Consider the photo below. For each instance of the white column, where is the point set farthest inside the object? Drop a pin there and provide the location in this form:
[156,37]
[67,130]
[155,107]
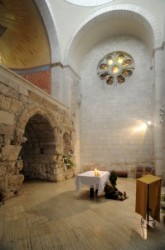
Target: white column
[72,98]
[57,82]
[158,104]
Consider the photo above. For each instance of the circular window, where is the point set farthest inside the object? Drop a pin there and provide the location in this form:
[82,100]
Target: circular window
[115,67]
[89,3]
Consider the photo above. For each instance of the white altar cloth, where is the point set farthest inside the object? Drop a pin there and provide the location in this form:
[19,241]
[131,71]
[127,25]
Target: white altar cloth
[88,178]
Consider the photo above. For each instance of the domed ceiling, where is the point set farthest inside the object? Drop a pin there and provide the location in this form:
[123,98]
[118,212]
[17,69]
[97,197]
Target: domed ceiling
[89,3]
[23,38]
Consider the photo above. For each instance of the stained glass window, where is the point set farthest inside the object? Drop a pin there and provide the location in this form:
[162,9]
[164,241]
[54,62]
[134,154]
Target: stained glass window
[115,67]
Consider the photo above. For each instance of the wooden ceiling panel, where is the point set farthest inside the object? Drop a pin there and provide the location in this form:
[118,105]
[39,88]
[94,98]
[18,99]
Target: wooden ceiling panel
[23,38]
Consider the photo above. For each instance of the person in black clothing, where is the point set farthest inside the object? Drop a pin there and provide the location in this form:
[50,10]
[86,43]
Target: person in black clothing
[111,192]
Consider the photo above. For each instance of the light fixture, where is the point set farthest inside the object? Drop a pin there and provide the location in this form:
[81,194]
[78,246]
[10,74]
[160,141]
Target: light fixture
[149,123]
[162,114]
[115,67]
[162,111]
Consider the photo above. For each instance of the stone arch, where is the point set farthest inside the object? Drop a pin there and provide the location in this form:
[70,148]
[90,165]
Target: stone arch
[36,134]
[27,114]
[39,149]
[143,19]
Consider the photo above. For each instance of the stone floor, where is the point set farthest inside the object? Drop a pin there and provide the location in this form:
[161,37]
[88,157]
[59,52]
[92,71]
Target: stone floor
[50,216]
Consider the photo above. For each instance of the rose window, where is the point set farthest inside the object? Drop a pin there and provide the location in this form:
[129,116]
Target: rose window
[115,67]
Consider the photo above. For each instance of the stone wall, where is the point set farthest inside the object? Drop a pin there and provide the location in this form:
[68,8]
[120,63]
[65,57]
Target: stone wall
[32,126]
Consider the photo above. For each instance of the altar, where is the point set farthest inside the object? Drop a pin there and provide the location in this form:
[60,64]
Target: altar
[96,183]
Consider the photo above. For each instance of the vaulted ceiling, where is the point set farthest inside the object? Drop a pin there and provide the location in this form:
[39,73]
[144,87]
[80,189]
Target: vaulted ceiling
[23,38]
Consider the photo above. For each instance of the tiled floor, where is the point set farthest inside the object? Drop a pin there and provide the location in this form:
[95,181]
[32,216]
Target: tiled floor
[50,216]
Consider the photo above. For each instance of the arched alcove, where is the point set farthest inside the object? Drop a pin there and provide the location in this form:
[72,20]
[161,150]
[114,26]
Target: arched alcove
[108,22]
[38,151]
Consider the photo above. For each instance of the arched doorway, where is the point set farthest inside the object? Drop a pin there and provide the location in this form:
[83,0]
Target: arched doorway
[38,151]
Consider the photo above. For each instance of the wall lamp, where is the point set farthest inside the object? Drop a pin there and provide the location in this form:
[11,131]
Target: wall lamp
[149,123]
[162,114]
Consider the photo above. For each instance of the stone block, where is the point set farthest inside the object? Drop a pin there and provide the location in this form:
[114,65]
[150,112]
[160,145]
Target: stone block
[23,91]
[10,152]
[14,182]
[6,117]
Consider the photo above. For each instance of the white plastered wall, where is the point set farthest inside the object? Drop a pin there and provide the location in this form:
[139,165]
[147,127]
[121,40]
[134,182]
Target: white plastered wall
[113,118]
[74,23]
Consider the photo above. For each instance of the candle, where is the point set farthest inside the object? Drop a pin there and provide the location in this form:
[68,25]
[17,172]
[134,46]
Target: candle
[96,172]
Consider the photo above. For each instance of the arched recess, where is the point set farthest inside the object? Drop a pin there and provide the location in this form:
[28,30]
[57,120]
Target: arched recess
[119,19]
[38,151]
[36,133]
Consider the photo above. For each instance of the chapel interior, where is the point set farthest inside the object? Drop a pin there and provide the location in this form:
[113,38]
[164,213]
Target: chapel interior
[81,87]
